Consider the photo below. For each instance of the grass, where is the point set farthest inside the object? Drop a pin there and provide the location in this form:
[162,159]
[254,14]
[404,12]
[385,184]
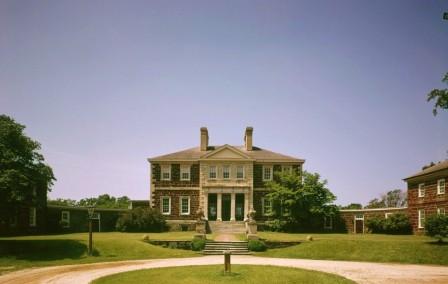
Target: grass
[367,247]
[215,274]
[29,251]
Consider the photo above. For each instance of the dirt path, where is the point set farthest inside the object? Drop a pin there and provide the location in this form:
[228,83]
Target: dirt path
[361,272]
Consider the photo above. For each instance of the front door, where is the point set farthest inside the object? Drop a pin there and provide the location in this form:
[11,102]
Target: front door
[359,223]
[225,207]
[239,207]
[212,207]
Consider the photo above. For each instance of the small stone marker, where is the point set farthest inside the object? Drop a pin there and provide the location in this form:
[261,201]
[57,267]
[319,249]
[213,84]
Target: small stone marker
[227,261]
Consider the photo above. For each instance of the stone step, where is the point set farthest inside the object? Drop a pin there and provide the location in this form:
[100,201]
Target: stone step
[221,253]
[217,248]
[227,226]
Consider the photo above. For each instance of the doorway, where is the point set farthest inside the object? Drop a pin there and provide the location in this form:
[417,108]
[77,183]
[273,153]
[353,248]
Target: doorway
[212,206]
[225,207]
[359,224]
[239,206]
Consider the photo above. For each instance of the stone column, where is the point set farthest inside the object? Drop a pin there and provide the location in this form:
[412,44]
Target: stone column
[246,205]
[205,196]
[218,206]
[232,207]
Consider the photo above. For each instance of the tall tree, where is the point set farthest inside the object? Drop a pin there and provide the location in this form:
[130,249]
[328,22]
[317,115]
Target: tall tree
[352,206]
[393,198]
[440,96]
[23,170]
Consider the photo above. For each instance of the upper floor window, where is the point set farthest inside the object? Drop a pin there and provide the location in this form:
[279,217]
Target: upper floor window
[212,172]
[65,219]
[32,220]
[185,205]
[226,172]
[441,186]
[239,172]
[185,172]
[166,172]
[267,172]
[166,205]
[440,211]
[421,190]
[287,169]
[267,206]
[421,219]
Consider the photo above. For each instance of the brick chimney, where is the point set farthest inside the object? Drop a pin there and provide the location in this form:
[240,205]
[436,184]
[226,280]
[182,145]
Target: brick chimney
[248,138]
[204,138]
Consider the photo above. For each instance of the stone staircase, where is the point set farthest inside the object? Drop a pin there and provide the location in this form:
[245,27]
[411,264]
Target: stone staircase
[227,227]
[235,247]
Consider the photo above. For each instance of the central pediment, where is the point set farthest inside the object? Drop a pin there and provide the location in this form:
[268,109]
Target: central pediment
[226,152]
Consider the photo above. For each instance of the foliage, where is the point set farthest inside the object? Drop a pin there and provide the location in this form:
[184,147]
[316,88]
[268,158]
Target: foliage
[198,244]
[440,96]
[352,206]
[256,245]
[275,225]
[102,201]
[62,202]
[395,224]
[23,172]
[141,220]
[304,197]
[394,198]
[437,227]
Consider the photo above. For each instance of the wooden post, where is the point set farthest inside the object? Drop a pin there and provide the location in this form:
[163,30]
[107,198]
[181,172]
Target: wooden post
[90,236]
[227,268]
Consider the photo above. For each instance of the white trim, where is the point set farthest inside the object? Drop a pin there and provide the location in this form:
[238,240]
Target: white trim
[244,175]
[216,172]
[185,169]
[358,217]
[373,209]
[263,209]
[271,171]
[441,211]
[387,214]
[163,169]
[180,205]
[421,190]
[175,188]
[421,218]
[169,205]
[229,171]
[440,189]
[66,220]
[32,217]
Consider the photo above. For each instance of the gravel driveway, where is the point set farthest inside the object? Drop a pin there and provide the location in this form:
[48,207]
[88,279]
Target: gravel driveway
[361,272]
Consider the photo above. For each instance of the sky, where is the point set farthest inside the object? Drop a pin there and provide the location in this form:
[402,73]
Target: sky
[103,85]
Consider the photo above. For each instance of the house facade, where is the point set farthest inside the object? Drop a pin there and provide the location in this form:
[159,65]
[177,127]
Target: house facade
[427,194]
[224,182]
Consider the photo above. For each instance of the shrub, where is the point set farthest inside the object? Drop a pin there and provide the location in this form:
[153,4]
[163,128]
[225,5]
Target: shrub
[396,224]
[256,245]
[375,225]
[141,220]
[437,226]
[197,244]
[275,225]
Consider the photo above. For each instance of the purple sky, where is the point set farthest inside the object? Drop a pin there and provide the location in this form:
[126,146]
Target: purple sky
[105,84]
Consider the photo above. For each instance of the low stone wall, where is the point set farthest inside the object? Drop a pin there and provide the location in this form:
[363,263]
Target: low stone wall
[174,244]
[181,225]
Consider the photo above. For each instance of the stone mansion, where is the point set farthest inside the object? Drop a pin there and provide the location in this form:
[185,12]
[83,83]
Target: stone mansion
[224,181]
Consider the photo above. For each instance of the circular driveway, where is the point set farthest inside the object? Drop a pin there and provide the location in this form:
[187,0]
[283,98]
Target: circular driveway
[360,272]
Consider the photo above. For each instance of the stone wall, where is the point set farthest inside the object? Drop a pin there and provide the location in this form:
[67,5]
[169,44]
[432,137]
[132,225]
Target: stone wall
[175,195]
[175,176]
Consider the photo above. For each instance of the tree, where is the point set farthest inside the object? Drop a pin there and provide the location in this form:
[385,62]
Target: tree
[393,198]
[23,172]
[437,227]
[301,197]
[440,96]
[352,206]
[105,201]
[376,203]
[62,202]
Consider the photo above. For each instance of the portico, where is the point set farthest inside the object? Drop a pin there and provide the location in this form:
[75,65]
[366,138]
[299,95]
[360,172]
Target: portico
[226,204]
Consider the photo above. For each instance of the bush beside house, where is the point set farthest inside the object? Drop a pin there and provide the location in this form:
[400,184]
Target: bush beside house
[141,219]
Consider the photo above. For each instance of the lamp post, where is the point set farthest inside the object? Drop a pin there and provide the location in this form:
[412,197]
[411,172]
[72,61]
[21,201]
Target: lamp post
[90,211]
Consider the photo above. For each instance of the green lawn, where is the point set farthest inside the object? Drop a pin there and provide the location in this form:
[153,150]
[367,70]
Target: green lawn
[367,247]
[22,252]
[215,274]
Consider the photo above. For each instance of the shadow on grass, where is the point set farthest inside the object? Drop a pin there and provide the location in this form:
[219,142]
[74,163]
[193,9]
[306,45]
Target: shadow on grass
[437,243]
[41,250]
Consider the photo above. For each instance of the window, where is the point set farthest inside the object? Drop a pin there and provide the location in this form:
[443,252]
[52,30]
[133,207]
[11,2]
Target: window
[286,169]
[32,220]
[185,205]
[387,215]
[239,172]
[166,205]
[421,219]
[359,216]
[441,186]
[185,172]
[212,172]
[65,219]
[284,209]
[421,190]
[267,172]
[225,172]
[440,211]
[166,172]
[328,222]
[267,206]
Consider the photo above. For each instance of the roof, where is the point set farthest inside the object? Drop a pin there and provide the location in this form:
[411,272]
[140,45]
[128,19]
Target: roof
[437,167]
[194,154]
[374,209]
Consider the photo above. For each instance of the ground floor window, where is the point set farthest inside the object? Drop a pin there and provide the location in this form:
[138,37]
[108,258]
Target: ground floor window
[32,220]
[267,206]
[166,205]
[421,219]
[65,219]
[185,205]
[328,222]
[440,211]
